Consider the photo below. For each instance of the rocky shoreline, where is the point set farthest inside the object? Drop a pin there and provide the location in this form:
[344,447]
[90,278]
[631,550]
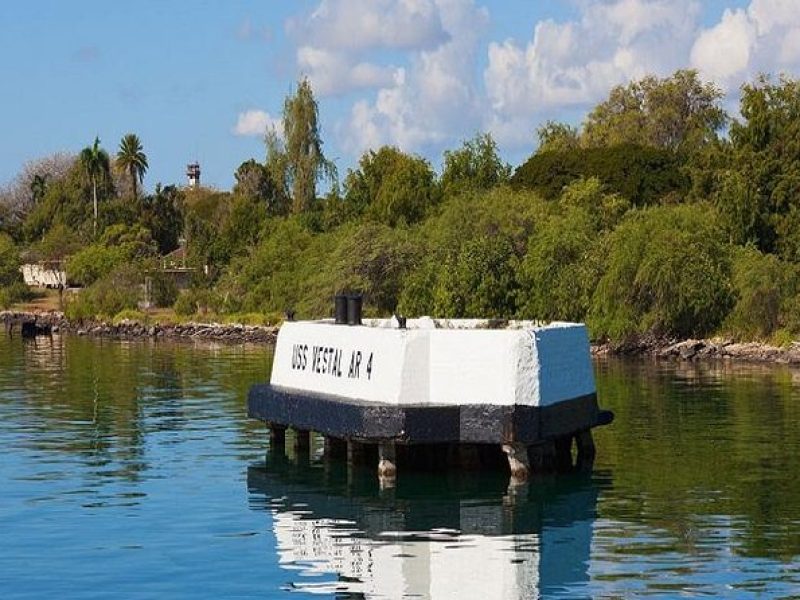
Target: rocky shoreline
[702,350]
[55,322]
[653,347]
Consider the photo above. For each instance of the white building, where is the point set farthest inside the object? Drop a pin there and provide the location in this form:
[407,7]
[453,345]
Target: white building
[46,274]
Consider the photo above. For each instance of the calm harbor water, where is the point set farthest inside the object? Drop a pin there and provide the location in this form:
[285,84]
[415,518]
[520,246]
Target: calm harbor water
[130,469]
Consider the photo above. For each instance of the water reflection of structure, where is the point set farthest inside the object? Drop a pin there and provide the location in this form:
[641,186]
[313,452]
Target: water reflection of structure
[430,537]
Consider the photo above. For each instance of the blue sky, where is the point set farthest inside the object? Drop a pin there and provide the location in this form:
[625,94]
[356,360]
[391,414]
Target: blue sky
[200,80]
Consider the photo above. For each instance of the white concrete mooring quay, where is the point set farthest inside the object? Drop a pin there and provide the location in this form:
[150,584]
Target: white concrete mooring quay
[427,394]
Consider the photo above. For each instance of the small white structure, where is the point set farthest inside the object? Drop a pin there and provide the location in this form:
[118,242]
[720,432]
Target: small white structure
[46,274]
[436,362]
[193,174]
[525,386]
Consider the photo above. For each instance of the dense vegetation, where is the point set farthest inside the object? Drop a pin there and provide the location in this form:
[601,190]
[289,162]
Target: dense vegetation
[661,214]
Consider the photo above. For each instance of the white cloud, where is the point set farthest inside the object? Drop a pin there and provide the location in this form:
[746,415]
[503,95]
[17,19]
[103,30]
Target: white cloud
[763,37]
[334,73]
[255,122]
[769,15]
[575,63]
[435,98]
[722,53]
[357,25]
[422,75]
[347,45]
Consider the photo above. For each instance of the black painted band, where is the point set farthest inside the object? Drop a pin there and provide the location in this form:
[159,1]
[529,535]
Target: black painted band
[479,423]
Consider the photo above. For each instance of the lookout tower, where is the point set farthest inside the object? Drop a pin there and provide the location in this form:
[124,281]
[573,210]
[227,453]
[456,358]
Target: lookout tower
[193,174]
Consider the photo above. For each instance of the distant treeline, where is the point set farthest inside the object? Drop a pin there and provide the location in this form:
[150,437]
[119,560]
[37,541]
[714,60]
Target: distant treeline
[661,214]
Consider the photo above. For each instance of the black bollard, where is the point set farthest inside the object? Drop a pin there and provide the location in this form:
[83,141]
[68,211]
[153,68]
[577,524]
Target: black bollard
[340,305]
[354,303]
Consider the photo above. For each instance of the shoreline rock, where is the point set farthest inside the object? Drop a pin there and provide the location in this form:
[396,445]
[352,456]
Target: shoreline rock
[235,333]
[693,350]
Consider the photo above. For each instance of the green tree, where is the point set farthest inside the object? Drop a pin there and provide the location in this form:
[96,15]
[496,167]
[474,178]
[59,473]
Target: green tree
[641,174]
[477,281]
[57,243]
[64,202]
[390,186]
[132,159]
[679,112]
[118,246]
[557,137]
[758,188]
[253,180]
[38,187]
[761,285]
[474,166]
[667,272]
[559,273]
[297,161]
[96,165]
[406,192]
[590,195]
[9,261]
[162,214]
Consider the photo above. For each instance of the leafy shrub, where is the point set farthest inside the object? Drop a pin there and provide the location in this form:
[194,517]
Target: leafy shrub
[478,281]
[14,293]
[560,271]
[9,261]
[118,290]
[185,304]
[163,289]
[668,271]
[759,282]
[590,195]
[93,262]
[119,245]
[198,301]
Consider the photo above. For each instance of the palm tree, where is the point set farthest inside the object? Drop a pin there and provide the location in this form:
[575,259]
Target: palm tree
[96,163]
[130,158]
